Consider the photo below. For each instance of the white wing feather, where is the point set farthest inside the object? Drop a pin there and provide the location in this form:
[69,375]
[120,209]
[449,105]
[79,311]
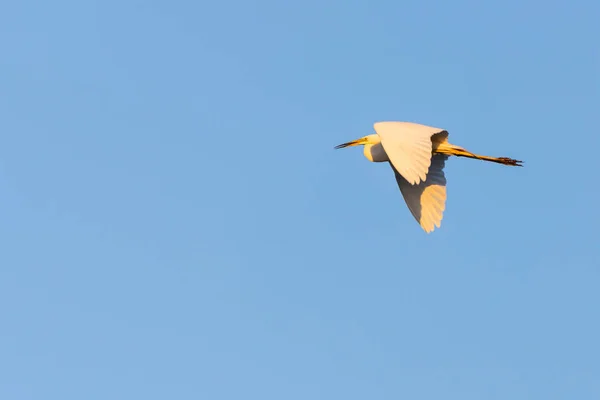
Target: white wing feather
[408,146]
[426,200]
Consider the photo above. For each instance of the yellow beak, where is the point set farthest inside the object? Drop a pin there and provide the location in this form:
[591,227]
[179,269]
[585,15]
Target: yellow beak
[352,143]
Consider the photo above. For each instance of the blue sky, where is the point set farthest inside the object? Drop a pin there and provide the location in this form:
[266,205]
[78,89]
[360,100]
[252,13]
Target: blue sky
[176,224]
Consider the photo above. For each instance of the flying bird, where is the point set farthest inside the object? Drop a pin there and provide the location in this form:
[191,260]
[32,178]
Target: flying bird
[417,154]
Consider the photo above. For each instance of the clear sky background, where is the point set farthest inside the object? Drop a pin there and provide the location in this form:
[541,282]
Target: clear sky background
[175,223]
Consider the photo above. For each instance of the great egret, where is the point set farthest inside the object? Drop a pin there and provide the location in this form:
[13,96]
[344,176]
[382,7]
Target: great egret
[417,154]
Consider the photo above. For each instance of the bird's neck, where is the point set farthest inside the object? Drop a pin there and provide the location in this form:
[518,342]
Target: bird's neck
[375,153]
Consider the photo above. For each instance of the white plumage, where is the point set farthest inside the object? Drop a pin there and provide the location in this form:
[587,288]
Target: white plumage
[408,146]
[427,199]
[417,154]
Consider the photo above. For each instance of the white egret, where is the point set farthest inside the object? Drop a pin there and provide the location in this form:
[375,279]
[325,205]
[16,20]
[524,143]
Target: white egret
[417,154]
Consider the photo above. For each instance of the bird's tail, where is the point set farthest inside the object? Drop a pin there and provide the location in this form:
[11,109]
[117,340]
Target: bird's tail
[450,149]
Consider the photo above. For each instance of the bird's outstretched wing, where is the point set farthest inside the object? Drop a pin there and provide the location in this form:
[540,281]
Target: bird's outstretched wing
[426,200]
[409,147]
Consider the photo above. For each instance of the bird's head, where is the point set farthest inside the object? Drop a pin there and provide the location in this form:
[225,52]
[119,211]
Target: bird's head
[365,140]
[372,148]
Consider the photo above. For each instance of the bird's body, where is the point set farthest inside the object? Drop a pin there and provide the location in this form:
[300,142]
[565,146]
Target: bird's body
[417,154]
